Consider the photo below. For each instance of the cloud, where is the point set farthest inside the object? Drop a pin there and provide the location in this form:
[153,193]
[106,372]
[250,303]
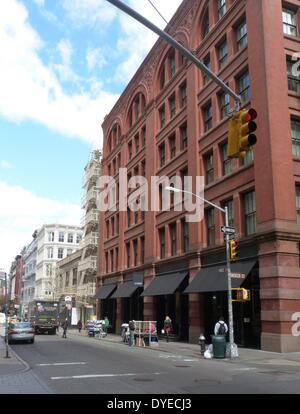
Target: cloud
[22,212]
[32,91]
[40,3]
[5,165]
[89,12]
[133,30]
[95,59]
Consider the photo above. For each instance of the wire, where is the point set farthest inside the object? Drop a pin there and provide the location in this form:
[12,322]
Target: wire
[157,11]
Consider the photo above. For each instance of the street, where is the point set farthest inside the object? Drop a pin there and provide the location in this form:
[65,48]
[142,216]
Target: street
[82,365]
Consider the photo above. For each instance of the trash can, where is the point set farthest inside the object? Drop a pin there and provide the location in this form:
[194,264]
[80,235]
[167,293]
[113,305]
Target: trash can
[219,346]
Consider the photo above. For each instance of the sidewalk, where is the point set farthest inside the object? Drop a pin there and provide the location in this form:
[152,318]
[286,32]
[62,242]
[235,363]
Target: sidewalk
[193,350]
[11,365]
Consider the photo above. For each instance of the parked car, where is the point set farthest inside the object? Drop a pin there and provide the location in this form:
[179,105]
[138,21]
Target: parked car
[20,331]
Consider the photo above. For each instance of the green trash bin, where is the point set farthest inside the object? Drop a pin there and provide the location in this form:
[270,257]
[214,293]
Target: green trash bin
[219,346]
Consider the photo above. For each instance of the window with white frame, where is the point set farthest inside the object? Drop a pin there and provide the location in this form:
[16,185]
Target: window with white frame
[70,237]
[210,226]
[223,54]
[224,105]
[61,237]
[293,80]
[295,131]
[250,213]
[241,35]
[221,4]
[60,253]
[50,253]
[298,204]
[207,117]
[227,167]
[244,87]
[289,22]
[51,236]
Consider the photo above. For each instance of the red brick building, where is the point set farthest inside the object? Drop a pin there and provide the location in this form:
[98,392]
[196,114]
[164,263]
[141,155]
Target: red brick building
[172,120]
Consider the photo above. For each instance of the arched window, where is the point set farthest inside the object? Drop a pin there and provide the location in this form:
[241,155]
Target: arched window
[137,108]
[114,137]
[205,24]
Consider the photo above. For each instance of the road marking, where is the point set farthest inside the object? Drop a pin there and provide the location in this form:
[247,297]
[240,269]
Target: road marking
[102,376]
[61,363]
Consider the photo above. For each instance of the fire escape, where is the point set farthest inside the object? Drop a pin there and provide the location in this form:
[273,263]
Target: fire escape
[87,268]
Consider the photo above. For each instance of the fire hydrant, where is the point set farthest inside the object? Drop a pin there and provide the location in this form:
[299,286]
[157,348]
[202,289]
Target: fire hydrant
[202,344]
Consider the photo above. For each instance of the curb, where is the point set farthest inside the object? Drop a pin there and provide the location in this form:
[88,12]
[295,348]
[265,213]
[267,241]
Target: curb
[26,366]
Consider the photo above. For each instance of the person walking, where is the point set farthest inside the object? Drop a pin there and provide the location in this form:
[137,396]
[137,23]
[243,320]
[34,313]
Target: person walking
[79,325]
[221,327]
[167,326]
[65,327]
[105,324]
[131,332]
[57,326]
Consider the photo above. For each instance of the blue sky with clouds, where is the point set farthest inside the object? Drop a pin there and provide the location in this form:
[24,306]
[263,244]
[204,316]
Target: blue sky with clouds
[64,64]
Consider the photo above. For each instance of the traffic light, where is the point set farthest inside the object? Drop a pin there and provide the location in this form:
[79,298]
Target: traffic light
[246,128]
[233,136]
[240,133]
[233,250]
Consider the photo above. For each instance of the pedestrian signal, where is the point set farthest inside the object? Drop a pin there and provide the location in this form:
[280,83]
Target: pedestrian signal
[240,295]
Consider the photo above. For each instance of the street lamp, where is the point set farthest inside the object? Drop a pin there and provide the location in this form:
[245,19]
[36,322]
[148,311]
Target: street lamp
[232,346]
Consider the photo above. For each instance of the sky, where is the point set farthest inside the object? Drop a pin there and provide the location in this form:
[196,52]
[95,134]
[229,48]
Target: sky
[63,65]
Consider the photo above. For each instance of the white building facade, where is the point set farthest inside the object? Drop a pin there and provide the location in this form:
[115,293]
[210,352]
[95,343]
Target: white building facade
[54,242]
[29,273]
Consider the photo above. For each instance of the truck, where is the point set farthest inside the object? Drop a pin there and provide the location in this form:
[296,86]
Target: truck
[43,314]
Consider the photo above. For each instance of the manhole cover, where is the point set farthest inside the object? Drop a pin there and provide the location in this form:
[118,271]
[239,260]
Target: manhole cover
[182,366]
[143,379]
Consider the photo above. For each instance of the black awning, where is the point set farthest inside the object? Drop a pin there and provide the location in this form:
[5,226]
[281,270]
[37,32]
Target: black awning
[125,290]
[164,285]
[214,278]
[104,291]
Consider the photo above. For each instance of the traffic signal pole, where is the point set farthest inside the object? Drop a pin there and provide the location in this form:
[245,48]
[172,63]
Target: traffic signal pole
[185,52]
[230,310]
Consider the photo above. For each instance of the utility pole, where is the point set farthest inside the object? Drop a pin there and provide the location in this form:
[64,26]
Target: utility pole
[185,52]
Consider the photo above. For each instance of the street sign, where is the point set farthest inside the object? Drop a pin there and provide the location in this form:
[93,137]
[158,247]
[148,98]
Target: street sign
[228,230]
[238,275]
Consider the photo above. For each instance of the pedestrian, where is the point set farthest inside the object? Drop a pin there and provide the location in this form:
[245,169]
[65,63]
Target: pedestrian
[57,326]
[131,332]
[65,327]
[221,327]
[167,326]
[105,324]
[79,325]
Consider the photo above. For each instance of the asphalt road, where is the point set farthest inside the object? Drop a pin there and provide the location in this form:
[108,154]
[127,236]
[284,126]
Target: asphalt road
[82,365]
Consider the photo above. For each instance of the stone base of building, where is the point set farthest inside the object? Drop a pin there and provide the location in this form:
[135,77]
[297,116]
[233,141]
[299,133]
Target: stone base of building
[280,343]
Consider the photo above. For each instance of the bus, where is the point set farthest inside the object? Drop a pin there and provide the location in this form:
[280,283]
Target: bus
[43,314]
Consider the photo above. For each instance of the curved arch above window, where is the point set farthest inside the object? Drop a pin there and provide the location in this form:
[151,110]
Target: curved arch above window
[114,136]
[136,109]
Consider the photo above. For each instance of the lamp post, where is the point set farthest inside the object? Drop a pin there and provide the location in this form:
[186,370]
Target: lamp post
[233,348]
